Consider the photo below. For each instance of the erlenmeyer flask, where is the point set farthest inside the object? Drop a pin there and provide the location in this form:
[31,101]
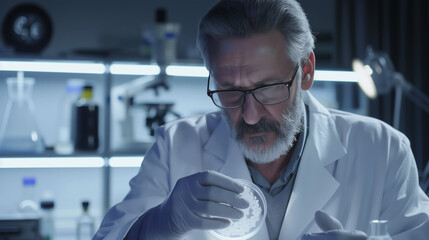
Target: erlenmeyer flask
[19,132]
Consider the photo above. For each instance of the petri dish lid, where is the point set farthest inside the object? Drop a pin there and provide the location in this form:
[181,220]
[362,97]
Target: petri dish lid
[254,215]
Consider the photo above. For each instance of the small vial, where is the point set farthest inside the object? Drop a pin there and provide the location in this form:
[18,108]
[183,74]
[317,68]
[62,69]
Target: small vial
[379,230]
[85,224]
[47,226]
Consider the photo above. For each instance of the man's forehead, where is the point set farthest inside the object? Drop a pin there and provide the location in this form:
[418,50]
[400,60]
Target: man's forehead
[257,49]
[241,46]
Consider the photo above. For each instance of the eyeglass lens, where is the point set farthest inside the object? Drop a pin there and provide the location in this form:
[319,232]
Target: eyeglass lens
[266,95]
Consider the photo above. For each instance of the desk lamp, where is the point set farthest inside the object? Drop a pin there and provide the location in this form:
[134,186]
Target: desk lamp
[378,76]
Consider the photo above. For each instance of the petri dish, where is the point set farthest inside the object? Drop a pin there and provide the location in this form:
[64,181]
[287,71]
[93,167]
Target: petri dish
[254,215]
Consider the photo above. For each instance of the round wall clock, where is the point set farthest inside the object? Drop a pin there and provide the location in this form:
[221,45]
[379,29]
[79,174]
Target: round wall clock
[27,28]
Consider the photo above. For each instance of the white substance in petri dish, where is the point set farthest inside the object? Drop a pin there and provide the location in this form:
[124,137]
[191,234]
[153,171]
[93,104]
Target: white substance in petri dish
[254,215]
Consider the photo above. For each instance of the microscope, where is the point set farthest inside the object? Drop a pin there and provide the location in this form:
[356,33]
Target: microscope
[125,96]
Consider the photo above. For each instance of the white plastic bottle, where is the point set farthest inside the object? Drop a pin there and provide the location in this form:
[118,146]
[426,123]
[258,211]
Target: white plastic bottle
[47,224]
[85,224]
[28,206]
[64,142]
[379,230]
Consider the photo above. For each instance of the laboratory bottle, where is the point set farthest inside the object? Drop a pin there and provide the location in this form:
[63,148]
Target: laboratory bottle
[85,224]
[379,230]
[47,224]
[85,120]
[28,205]
[64,143]
[19,131]
[166,35]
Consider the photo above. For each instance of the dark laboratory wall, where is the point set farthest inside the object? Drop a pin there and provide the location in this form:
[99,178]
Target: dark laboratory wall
[400,28]
[110,25]
[116,26]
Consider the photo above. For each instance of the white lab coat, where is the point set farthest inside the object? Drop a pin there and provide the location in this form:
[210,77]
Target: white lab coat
[355,168]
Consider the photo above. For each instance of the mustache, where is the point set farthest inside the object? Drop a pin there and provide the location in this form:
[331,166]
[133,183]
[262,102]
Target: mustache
[264,125]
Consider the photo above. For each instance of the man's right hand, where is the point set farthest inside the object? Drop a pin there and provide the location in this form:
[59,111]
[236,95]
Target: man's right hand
[204,200]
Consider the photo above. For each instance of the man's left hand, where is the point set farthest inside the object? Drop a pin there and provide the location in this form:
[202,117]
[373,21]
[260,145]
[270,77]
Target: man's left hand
[332,229]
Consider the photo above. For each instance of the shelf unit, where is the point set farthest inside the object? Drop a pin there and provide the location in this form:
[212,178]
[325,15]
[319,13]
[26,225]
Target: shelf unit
[111,68]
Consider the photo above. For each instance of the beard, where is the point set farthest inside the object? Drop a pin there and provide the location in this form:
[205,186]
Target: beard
[287,131]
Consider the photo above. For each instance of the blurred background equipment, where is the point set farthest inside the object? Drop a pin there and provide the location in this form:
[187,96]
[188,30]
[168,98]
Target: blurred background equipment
[19,131]
[125,102]
[24,222]
[16,228]
[377,75]
[161,41]
[156,115]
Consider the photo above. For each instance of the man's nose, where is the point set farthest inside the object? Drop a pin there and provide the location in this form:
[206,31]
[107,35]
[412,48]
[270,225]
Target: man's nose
[252,110]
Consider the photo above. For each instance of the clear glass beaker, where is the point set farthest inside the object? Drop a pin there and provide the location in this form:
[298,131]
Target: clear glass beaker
[19,132]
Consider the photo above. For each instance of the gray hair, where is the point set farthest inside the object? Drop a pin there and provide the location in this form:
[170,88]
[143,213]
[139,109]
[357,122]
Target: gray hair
[243,18]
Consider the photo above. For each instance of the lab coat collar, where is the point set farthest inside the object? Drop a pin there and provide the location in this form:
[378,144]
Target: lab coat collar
[314,184]
[221,145]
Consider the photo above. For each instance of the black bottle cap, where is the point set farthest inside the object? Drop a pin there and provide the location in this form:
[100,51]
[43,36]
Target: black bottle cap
[161,15]
[47,204]
[87,87]
[85,204]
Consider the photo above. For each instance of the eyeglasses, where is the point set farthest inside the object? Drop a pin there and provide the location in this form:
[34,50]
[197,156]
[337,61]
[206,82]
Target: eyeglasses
[268,95]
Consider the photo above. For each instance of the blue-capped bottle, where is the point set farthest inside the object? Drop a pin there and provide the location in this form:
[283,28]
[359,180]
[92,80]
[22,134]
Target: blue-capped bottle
[28,206]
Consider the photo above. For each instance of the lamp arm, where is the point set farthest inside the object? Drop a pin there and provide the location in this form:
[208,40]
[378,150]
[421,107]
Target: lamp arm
[413,93]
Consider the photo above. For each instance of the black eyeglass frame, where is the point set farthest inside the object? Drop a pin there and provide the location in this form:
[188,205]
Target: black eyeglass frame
[252,91]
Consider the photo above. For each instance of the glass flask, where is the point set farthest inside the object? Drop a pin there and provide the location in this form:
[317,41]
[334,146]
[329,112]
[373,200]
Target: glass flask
[19,132]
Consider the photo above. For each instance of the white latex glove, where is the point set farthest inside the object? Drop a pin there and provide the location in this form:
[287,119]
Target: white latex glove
[332,229]
[204,200]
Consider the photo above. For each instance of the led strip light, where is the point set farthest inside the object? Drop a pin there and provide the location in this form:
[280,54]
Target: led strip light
[117,68]
[52,162]
[69,162]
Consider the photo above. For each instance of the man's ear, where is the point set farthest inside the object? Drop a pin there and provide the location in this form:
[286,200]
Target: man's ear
[308,72]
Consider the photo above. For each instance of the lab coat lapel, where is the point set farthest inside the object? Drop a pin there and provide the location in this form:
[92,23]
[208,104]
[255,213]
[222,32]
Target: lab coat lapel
[231,162]
[314,184]
[225,149]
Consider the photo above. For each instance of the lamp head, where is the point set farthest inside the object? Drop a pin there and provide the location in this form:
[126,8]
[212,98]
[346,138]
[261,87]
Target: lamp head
[375,73]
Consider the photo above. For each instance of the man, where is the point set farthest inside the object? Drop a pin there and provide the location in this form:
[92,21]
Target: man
[325,173]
